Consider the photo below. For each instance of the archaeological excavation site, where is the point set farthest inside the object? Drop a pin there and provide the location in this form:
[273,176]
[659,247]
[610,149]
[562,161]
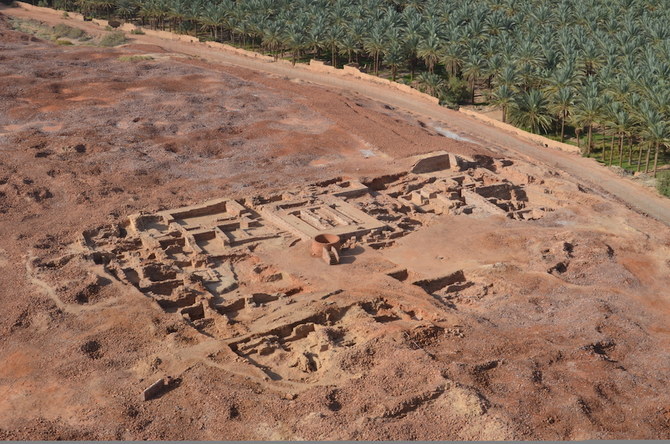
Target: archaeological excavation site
[195,247]
[242,270]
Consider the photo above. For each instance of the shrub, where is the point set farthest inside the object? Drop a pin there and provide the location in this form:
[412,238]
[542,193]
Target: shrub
[113,39]
[456,91]
[114,23]
[66,15]
[137,31]
[135,58]
[67,31]
[61,42]
[663,183]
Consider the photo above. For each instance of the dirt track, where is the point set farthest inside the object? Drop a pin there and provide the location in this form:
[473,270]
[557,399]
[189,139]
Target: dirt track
[587,171]
[540,313]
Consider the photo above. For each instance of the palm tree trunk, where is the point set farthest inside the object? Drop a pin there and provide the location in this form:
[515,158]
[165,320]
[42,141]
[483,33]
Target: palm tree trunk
[655,158]
[504,113]
[562,127]
[588,140]
[646,162]
[611,149]
[621,149]
[472,88]
[578,144]
[639,158]
[630,150]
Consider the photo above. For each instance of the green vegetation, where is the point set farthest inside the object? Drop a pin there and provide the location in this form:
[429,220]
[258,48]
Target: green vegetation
[592,69]
[137,31]
[59,34]
[663,183]
[114,38]
[135,58]
[67,31]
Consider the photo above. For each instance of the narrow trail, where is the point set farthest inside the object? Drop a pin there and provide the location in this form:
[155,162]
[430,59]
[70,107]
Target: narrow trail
[583,170]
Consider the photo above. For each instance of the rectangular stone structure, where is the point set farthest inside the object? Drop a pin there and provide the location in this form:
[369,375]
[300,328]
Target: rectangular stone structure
[154,390]
[325,213]
[208,228]
[431,162]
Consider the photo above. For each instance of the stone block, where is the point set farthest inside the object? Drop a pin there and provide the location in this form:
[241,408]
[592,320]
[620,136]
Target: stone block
[432,162]
[154,390]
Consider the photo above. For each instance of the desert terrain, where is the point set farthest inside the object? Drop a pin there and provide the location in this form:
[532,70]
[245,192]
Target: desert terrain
[156,213]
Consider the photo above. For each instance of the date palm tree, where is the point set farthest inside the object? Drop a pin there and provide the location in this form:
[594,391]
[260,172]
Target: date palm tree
[273,37]
[620,122]
[212,18]
[295,38]
[473,67]
[561,103]
[431,83]
[395,57]
[656,133]
[375,44]
[588,108]
[333,39]
[429,50]
[529,110]
[452,57]
[349,45]
[503,97]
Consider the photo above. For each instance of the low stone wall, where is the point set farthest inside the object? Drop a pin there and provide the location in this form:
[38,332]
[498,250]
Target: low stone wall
[535,138]
[166,35]
[239,51]
[349,71]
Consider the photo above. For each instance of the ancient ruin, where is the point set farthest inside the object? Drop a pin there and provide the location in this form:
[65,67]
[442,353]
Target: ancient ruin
[209,263]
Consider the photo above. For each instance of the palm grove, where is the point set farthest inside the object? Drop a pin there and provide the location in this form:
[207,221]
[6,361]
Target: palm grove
[593,71]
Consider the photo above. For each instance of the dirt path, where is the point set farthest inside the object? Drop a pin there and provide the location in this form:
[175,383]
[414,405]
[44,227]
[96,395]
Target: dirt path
[586,171]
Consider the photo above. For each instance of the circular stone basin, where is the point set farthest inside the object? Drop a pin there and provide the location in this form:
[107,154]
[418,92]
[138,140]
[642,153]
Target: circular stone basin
[322,241]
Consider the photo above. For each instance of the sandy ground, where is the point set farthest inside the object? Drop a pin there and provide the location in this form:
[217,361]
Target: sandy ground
[562,334]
